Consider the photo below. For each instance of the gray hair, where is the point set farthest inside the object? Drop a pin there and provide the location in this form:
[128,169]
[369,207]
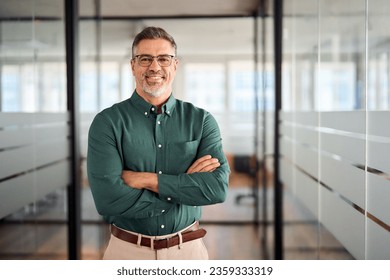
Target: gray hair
[150,33]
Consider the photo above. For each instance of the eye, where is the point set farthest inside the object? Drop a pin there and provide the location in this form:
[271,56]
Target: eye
[164,59]
[145,59]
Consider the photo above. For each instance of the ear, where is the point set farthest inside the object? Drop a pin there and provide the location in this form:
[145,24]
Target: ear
[132,65]
[176,63]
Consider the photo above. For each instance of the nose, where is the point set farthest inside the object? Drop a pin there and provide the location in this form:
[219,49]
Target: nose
[154,64]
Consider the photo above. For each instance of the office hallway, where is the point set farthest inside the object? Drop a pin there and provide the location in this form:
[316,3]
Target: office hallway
[301,86]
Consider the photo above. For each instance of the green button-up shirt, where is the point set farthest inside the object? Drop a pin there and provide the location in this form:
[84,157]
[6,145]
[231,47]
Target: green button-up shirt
[131,135]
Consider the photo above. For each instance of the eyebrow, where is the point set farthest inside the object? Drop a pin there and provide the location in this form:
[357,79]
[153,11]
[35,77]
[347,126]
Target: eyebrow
[156,55]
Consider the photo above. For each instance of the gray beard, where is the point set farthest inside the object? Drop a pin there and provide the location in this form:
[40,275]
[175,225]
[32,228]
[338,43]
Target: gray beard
[155,93]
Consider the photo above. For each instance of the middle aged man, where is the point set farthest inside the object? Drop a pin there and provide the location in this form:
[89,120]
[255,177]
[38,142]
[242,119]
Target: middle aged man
[153,160]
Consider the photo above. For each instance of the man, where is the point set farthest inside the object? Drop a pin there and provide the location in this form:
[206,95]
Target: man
[153,160]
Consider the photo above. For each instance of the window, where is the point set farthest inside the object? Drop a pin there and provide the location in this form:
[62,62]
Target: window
[205,85]
[241,85]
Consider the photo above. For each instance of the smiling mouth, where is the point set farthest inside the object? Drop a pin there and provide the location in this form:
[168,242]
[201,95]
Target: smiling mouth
[154,79]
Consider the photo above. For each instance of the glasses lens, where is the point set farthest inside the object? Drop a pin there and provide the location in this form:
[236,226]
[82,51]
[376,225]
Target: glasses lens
[147,60]
[164,60]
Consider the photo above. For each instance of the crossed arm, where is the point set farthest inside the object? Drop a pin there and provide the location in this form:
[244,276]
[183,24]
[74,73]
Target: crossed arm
[119,192]
[149,180]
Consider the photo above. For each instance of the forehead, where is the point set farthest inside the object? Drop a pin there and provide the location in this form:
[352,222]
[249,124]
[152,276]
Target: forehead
[154,47]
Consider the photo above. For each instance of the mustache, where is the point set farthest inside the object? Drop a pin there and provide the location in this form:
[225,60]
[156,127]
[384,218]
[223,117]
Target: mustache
[152,73]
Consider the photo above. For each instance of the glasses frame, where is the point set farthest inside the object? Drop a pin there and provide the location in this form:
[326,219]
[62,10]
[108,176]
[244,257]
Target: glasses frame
[154,57]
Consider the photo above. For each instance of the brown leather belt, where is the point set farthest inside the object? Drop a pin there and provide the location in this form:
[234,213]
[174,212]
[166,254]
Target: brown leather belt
[190,234]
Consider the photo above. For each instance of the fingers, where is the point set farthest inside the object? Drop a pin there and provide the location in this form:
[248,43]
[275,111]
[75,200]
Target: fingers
[195,167]
[199,161]
[204,164]
[210,168]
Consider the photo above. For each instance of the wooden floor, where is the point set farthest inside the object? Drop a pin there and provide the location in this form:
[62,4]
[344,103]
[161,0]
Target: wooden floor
[40,232]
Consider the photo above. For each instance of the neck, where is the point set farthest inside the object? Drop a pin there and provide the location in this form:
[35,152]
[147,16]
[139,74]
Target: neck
[157,101]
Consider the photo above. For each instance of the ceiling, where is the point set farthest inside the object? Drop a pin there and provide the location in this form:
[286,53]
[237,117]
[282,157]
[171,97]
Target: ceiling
[130,8]
[211,27]
[202,27]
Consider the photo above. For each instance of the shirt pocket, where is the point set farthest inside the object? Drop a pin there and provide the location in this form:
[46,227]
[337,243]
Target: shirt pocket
[181,156]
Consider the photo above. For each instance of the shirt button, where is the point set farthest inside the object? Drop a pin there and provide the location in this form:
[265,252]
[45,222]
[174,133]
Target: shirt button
[162,211]
[168,112]
[194,206]
[160,172]
[162,226]
[169,199]
[153,109]
[146,113]
[159,122]
[159,145]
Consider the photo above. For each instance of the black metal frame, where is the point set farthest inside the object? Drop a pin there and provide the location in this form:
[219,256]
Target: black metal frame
[74,195]
[278,198]
[262,48]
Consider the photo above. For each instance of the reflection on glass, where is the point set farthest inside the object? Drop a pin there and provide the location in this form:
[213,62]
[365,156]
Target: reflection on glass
[342,56]
[337,86]
[378,80]
[378,89]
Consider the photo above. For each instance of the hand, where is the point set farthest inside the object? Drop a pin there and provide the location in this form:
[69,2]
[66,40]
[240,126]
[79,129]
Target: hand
[140,180]
[204,164]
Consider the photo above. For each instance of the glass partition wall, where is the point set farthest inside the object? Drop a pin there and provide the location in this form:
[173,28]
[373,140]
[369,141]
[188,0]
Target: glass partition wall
[34,132]
[334,134]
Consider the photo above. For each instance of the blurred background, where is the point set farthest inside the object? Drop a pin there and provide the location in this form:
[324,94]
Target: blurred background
[300,89]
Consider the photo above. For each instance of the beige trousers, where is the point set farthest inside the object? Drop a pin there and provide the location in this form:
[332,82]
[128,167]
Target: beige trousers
[118,249]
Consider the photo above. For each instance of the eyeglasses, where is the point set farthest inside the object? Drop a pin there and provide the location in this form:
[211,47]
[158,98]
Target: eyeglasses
[145,60]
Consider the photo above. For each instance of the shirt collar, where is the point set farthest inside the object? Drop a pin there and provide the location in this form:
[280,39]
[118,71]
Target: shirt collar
[147,109]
